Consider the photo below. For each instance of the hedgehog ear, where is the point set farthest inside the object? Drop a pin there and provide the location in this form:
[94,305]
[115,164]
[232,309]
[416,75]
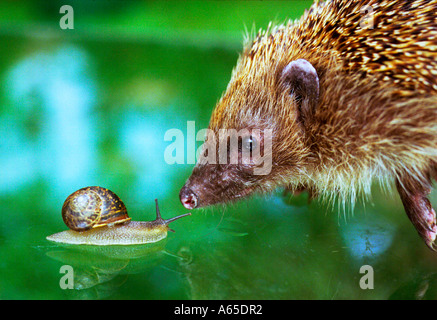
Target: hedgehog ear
[302,79]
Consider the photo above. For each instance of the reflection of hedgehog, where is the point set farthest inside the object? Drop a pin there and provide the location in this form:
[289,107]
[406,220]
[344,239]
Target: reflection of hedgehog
[350,93]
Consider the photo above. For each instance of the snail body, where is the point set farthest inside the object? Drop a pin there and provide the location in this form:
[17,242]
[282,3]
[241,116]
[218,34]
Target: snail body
[97,216]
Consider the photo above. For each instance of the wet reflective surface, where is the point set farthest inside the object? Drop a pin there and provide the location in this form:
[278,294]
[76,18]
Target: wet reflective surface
[91,106]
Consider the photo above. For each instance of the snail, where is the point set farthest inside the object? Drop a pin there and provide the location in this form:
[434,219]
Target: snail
[97,216]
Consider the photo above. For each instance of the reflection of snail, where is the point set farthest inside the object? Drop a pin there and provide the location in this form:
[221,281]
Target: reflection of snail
[97,216]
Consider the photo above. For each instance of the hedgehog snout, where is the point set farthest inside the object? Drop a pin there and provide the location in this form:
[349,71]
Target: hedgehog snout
[188,198]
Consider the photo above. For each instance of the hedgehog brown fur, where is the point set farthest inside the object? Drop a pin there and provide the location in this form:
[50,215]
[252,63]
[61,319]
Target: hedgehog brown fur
[347,104]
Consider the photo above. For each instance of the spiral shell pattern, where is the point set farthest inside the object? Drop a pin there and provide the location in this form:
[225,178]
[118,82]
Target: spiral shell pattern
[93,207]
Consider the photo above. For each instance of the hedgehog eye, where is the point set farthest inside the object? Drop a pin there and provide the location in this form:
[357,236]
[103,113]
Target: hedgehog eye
[249,143]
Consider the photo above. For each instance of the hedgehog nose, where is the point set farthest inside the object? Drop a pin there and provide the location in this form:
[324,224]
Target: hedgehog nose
[188,198]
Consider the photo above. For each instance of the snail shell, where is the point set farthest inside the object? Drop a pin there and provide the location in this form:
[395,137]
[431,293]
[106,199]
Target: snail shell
[93,207]
[99,217]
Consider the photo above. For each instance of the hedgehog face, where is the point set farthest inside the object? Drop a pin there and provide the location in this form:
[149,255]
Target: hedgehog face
[255,141]
[232,165]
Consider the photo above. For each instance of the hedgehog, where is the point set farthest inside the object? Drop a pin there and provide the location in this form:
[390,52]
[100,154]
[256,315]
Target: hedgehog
[345,97]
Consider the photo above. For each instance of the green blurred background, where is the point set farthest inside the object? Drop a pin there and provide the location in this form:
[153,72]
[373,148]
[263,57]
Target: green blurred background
[90,106]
